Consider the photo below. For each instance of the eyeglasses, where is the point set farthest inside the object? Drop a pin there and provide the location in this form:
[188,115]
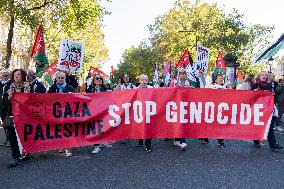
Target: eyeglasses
[60,77]
[126,77]
[182,73]
[98,78]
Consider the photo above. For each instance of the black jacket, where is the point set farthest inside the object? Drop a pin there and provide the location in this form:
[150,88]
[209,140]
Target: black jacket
[72,80]
[7,104]
[95,90]
[37,87]
[4,100]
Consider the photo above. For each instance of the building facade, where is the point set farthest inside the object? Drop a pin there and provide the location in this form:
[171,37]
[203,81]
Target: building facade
[21,46]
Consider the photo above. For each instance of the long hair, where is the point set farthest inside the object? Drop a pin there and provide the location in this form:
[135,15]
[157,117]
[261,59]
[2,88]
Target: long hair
[23,73]
[122,81]
[93,79]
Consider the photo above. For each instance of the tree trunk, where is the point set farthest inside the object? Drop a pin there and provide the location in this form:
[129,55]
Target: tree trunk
[9,42]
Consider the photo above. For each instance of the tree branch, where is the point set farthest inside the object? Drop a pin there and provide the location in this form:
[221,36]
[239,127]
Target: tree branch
[45,3]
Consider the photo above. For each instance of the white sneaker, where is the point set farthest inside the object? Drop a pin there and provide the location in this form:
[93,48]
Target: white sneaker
[68,153]
[96,150]
[176,143]
[183,146]
[279,129]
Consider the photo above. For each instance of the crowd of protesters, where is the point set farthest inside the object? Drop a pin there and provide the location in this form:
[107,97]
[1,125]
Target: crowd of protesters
[25,81]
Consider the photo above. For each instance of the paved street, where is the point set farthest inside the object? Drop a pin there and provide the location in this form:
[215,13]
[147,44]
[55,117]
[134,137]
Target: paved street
[239,165]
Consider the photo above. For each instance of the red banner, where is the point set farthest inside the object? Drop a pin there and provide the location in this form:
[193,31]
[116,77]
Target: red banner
[56,121]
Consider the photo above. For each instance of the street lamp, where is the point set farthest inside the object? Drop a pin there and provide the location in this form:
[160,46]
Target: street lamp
[231,65]
[270,63]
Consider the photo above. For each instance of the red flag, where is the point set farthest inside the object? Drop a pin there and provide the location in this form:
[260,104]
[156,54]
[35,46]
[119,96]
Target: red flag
[167,68]
[97,71]
[112,71]
[51,69]
[39,53]
[39,45]
[220,63]
[240,76]
[184,60]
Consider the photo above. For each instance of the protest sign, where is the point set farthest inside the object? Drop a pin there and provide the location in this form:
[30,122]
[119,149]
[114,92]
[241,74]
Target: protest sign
[70,55]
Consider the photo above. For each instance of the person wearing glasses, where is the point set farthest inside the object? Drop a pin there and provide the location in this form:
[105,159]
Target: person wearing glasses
[97,86]
[143,80]
[181,82]
[60,86]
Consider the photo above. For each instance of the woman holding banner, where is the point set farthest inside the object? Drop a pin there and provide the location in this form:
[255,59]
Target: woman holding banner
[181,82]
[60,86]
[218,83]
[97,86]
[19,84]
[143,80]
[126,84]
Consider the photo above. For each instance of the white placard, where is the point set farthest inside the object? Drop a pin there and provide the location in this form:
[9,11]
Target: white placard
[70,55]
[202,58]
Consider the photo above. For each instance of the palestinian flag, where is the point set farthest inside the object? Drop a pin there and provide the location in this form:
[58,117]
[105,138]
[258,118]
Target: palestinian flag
[272,49]
[185,62]
[156,77]
[50,71]
[239,79]
[112,72]
[220,67]
[39,53]
[167,73]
